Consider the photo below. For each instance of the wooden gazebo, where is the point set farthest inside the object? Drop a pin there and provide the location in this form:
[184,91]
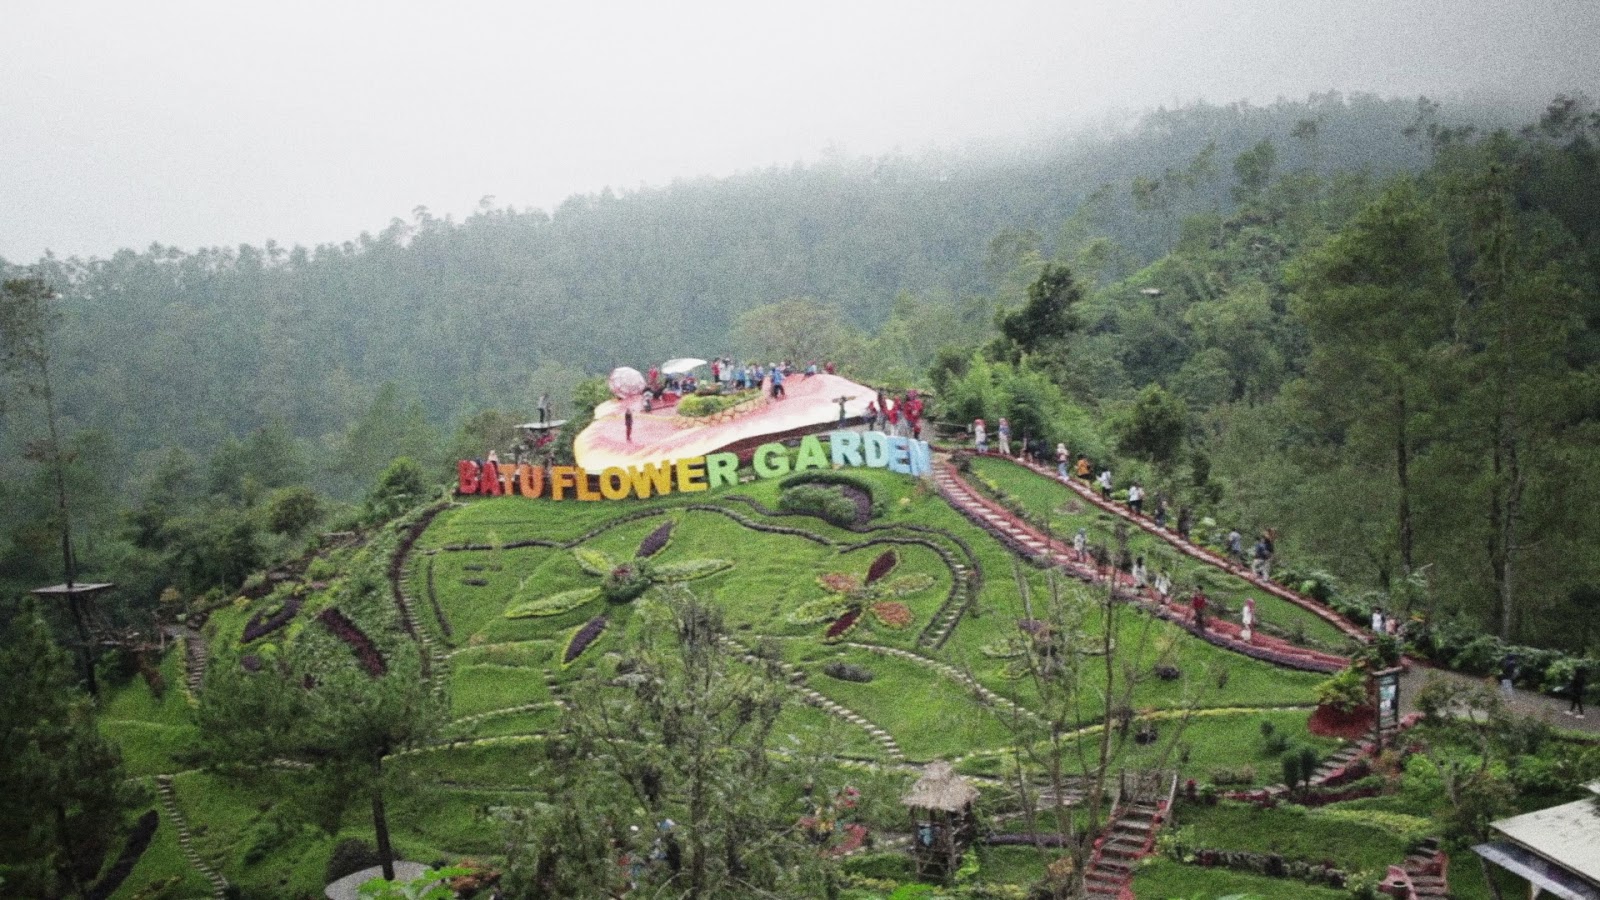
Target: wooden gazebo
[942,820]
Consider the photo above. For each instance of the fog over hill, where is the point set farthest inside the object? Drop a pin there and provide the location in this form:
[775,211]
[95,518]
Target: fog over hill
[194,126]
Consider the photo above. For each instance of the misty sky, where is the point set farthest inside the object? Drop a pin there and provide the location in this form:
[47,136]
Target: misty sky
[223,123]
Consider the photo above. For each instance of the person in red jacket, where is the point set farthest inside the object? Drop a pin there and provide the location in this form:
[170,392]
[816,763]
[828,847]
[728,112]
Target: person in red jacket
[1198,603]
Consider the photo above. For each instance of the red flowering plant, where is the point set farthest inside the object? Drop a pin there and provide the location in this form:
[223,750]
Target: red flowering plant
[621,582]
[851,598]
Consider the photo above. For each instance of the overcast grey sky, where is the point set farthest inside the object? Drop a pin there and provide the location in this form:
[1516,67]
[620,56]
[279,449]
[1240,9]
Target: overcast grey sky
[219,123]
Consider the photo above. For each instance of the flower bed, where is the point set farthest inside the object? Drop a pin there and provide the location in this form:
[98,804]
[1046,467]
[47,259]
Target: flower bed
[655,541]
[582,637]
[843,625]
[345,630]
[138,841]
[262,624]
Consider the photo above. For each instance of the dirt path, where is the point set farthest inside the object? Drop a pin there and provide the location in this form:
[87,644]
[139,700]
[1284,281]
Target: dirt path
[1526,703]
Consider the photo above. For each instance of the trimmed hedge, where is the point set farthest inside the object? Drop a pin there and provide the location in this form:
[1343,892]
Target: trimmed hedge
[811,500]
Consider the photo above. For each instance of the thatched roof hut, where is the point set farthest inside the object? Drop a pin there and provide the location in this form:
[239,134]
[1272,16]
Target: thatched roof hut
[942,819]
[940,788]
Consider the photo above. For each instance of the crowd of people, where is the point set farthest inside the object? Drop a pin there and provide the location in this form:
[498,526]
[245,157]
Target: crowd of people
[732,376]
[1259,559]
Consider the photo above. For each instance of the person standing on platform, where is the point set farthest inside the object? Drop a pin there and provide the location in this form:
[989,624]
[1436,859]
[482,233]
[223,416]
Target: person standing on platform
[777,383]
[544,409]
[627,424]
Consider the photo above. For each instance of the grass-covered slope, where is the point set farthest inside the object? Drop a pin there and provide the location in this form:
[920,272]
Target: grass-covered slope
[931,695]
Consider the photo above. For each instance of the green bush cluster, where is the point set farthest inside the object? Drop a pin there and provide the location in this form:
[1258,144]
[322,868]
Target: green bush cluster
[813,500]
[698,406]
[1346,691]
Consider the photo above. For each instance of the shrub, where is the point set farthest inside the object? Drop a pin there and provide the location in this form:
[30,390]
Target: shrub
[625,583]
[848,672]
[843,480]
[350,856]
[698,406]
[1480,656]
[828,505]
[1346,691]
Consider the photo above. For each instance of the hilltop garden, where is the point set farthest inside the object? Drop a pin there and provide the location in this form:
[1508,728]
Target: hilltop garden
[524,688]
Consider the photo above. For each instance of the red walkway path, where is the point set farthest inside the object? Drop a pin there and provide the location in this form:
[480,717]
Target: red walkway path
[1030,542]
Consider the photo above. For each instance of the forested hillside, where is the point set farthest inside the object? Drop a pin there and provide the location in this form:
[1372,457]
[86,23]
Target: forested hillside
[1244,307]
[185,348]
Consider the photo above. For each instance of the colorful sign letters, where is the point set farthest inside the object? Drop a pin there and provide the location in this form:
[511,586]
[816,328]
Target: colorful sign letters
[871,449]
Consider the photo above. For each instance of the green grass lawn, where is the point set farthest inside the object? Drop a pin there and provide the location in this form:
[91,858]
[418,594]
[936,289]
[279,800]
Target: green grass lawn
[1164,879]
[1291,832]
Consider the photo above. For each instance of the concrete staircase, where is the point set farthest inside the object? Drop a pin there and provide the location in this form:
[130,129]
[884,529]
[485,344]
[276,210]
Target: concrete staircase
[1129,835]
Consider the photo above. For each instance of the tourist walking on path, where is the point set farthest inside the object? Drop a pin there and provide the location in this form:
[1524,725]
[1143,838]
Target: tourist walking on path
[980,436]
[1236,546]
[1080,545]
[1141,577]
[1247,617]
[1197,603]
[1164,585]
[1083,467]
[1377,620]
[1509,675]
[1061,460]
[1136,499]
[1258,564]
[1003,435]
[1580,682]
[1185,522]
[1105,483]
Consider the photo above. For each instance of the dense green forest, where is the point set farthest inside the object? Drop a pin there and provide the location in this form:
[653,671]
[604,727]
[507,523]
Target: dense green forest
[1369,324]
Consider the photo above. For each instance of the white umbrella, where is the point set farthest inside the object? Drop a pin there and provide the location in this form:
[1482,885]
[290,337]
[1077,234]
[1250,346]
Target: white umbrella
[680,366]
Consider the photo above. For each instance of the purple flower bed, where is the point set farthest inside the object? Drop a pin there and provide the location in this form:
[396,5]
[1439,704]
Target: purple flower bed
[1034,627]
[882,566]
[347,631]
[138,842]
[654,541]
[262,624]
[582,638]
[842,625]
[251,663]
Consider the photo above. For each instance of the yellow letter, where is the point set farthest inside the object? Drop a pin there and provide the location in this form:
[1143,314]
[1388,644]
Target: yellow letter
[561,478]
[584,491]
[614,483]
[691,474]
[651,475]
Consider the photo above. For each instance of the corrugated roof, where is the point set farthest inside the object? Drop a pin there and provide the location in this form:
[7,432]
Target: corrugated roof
[1568,835]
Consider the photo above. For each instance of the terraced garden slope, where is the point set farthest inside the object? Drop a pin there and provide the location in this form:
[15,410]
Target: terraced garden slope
[505,600]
